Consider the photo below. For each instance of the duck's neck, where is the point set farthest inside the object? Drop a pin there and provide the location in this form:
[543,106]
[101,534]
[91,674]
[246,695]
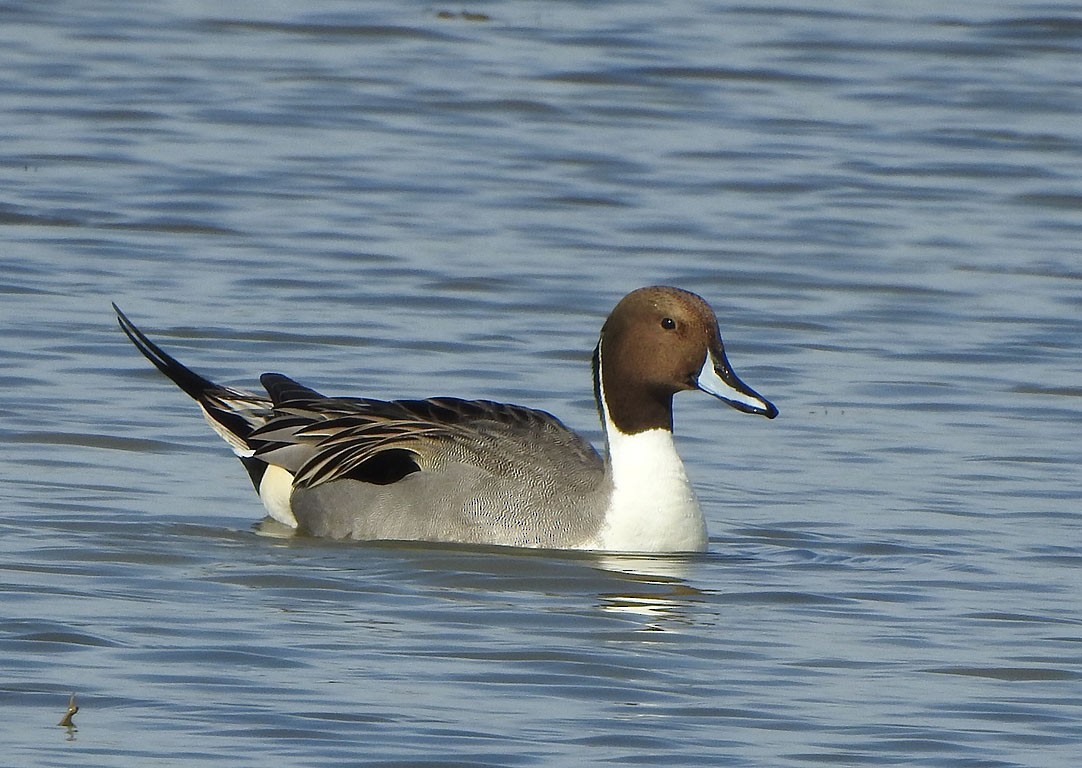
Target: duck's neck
[653,508]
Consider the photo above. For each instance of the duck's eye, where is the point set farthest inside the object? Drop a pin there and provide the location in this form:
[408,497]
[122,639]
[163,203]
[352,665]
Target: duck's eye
[668,324]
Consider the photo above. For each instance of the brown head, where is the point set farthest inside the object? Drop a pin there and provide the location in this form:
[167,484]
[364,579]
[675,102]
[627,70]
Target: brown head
[656,342]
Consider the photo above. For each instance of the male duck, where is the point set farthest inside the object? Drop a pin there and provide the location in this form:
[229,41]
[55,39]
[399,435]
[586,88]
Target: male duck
[479,472]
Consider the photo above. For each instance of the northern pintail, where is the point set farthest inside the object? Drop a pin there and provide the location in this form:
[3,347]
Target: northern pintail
[480,472]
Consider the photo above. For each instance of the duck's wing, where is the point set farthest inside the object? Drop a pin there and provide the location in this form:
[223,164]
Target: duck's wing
[322,439]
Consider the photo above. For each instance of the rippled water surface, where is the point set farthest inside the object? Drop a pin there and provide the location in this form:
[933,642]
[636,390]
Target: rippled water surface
[884,204]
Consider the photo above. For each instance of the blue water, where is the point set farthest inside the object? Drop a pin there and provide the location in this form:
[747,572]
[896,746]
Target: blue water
[884,205]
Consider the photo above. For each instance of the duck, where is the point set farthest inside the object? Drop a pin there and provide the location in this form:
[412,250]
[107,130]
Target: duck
[478,472]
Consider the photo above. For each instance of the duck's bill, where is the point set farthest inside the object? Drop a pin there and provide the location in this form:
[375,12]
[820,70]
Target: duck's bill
[717,379]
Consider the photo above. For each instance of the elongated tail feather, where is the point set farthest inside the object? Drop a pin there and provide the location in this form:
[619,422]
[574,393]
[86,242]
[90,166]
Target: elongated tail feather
[233,414]
[191,382]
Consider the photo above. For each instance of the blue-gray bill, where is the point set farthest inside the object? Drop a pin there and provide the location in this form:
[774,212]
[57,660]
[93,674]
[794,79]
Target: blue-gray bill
[717,378]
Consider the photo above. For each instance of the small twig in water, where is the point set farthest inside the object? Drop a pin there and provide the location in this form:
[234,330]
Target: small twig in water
[72,709]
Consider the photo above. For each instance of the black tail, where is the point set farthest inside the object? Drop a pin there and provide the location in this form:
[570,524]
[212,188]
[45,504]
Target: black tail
[185,378]
[203,391]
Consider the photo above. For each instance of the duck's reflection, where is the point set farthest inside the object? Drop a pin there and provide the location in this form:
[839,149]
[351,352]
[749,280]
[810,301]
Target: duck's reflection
[654,587]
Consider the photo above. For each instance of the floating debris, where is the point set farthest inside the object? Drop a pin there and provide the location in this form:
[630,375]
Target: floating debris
[72,709]
[465,16]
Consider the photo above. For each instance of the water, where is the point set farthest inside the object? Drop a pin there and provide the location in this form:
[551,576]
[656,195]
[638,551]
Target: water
[882,203]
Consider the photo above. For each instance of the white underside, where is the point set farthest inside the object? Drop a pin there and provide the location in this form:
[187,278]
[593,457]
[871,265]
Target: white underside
[653,508]
[275,490]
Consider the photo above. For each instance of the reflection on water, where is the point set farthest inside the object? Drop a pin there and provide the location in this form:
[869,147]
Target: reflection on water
[273,529]
[656,588]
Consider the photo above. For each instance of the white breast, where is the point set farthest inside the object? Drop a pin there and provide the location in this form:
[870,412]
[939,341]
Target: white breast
[653,507]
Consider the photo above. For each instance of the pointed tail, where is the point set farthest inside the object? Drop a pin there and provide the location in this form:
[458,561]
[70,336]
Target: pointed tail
[191,382]
[232,413]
